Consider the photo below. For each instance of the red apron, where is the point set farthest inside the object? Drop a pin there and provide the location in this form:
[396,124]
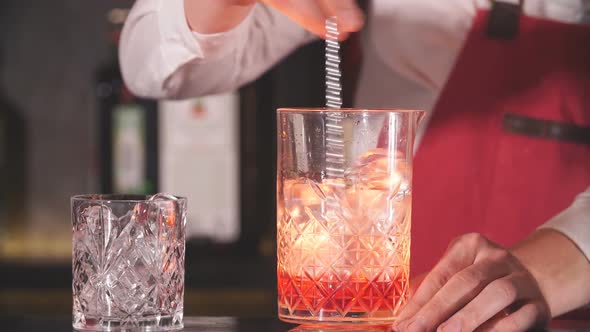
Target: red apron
[507,146]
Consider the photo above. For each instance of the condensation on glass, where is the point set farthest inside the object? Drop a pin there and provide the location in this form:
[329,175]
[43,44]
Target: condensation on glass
[344,200]
[128,262]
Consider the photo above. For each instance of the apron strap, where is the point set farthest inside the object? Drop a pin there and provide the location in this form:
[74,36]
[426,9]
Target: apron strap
[546,129]
[504,19]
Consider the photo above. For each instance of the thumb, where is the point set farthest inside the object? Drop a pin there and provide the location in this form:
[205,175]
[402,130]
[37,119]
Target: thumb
[312,14]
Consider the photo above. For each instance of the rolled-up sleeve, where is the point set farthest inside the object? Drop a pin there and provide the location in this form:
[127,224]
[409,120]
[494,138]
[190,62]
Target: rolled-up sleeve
[574,222]
[162,58]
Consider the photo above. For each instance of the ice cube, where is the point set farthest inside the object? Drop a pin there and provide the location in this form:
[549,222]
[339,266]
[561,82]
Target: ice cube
[163,208]
[299,192]
[297,196]
[131,224]
[92,258]
[98,218]
[377,170]
[163,196]
[132,241]
[132,260]
[99,228]
[334,192]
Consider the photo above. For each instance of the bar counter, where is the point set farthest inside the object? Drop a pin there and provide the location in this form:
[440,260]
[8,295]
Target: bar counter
[233,324]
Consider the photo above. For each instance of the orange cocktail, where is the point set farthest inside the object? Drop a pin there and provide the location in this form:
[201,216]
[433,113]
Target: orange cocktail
[344,215]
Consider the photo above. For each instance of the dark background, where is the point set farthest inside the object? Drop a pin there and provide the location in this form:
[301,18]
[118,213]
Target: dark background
[49,54]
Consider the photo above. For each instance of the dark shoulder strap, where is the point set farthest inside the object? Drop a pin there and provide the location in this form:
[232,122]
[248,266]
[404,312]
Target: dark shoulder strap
[504,19]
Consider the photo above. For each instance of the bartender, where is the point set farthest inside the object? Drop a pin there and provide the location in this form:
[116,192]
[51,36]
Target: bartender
[503,160]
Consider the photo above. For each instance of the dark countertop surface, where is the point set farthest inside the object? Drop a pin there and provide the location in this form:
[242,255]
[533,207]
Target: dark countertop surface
[37,297]
[229,324]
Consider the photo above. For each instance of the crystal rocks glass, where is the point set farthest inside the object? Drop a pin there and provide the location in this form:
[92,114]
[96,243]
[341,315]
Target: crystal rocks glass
[128,262]
[343,214]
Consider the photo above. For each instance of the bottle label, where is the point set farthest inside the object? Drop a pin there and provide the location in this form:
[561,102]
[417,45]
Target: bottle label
[200,160]
[129,149]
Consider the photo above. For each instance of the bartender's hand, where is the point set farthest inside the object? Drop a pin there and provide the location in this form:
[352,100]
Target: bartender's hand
[214,16]
[476,285]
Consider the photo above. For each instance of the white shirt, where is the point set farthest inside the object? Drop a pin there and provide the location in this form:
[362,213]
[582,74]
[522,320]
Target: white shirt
[409,48]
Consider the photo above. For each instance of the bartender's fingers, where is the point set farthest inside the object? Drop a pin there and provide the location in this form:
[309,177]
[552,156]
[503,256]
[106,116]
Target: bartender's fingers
[493,299]
[530,315]
[460,254]
[307,13]
[311,14]
[349,15]
[415,283]
[459,291]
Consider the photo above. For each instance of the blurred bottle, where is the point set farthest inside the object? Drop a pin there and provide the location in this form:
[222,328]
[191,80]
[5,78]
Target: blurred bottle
[13,166]
[199,159]
[128,126]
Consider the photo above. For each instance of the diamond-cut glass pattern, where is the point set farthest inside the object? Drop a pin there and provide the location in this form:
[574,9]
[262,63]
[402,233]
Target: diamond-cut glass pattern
[344,247]
[128,264]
